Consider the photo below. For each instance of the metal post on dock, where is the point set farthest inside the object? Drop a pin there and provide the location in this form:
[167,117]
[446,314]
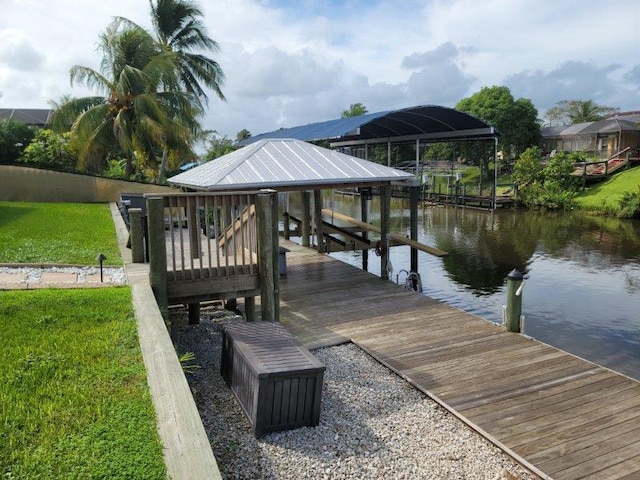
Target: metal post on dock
[513,311]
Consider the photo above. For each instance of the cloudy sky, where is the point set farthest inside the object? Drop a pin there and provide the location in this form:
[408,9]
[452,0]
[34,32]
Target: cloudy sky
[293,62]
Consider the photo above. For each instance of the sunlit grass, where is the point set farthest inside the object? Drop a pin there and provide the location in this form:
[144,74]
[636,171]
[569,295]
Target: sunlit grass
[74,401]
[605,196]
[63,233]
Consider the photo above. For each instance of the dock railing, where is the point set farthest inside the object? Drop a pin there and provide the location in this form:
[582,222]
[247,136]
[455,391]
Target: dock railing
[214,246]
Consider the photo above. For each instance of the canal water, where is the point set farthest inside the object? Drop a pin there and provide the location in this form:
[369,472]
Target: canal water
[582,273]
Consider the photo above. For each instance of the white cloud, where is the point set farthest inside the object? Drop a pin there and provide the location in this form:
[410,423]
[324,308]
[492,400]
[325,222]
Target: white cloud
[18,51]
[573,81]
[290,62]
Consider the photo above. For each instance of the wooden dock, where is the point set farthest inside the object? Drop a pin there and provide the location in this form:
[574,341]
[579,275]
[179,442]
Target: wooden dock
[559,415]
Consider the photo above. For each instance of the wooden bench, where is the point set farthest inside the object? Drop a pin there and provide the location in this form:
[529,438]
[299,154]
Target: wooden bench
[277,382]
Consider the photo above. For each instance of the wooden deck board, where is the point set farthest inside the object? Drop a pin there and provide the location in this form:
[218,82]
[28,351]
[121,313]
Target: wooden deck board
[549,409]
[586,384]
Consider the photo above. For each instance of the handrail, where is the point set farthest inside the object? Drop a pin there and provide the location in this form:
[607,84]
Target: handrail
[218,238]
[394,236]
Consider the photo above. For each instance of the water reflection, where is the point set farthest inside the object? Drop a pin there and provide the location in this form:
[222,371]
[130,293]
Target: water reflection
[582,283]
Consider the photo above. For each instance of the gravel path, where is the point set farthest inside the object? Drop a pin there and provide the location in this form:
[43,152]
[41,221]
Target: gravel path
[373,424]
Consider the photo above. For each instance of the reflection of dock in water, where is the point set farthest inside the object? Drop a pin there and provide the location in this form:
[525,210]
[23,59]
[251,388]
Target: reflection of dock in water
[561,416]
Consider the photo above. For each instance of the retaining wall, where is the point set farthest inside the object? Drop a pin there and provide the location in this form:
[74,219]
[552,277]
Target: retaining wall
[34,185]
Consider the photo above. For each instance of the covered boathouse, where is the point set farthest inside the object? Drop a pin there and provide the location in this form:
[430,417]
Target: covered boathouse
[285,161]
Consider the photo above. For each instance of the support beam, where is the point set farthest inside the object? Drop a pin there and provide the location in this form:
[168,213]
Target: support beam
[385,209]
[158,253]
[250,308]
[194,313]
[136,235]
[317,216]
[414,194]
[286,224]
[495,173]
[306,219]
[267,211]
[364,214]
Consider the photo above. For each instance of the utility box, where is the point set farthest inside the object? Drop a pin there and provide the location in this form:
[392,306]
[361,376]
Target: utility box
[277,382]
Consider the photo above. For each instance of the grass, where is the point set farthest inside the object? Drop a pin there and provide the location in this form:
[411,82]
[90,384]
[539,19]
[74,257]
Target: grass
[605,196]
[61,233]
[74,401]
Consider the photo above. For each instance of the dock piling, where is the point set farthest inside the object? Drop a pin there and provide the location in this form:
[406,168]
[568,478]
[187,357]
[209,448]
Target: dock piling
[514,301]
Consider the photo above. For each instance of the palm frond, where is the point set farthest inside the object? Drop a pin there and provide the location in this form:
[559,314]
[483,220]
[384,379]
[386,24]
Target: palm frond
[89,77]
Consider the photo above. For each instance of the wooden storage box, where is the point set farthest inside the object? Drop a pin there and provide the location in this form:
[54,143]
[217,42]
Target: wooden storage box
[277,381]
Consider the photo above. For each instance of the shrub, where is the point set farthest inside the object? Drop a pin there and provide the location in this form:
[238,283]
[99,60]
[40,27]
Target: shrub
[550,186]
[116,168]
[630,205]
[14,137]
[51,150]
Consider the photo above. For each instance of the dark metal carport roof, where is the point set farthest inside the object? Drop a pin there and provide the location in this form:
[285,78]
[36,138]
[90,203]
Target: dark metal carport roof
[428,122]
[31,116]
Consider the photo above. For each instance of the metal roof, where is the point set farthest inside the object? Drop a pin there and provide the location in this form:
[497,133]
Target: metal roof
[30,116]
[633,116]
[427,122]
[285,164]
[589,128]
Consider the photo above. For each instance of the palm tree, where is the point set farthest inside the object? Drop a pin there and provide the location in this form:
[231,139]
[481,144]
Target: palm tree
[581,111]
[178,28]
[140,109]
[569,112]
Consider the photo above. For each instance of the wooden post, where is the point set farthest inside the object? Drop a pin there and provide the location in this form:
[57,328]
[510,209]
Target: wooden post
[157,253]
[250,308]
[275,256]
[266,206]
[194,313]
[136,235]
[414,193]
[385,207]
[514,301]
[306,219]
[317,215]
[194,227]
[364,213]
[287,226]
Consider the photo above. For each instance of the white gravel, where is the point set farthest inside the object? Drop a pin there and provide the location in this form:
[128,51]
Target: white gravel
[373,424]
[110,274]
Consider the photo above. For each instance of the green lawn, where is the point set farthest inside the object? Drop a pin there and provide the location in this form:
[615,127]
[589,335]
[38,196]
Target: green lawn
[605,196]
[64,233]
[74,401]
